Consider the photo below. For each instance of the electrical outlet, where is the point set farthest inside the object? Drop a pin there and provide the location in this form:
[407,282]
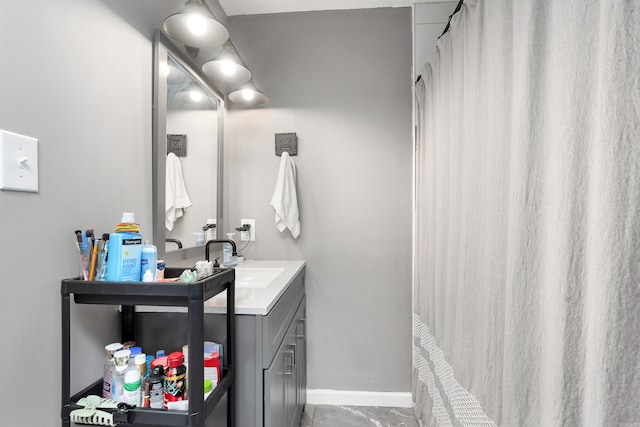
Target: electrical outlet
[249,235]
[211,233]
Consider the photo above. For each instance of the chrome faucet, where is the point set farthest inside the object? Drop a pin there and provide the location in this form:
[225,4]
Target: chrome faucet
[231,242]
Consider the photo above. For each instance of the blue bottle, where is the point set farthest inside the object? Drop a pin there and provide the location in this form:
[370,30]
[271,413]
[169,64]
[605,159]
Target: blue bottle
[124,257]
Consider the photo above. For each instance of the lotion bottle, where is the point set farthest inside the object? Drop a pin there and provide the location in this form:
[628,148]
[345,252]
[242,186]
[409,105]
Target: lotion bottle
[228,259]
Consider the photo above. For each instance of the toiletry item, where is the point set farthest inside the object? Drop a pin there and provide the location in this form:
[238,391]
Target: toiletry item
[154,388]
[148,276]
[160,266]
[101,265]
[148,261]
[175,378]
[123,262]
[199,238]
[135,350]
[121,359]
[228,259]
[108,367]
[131,393]
[128,224]
[211,347]
[212,367]
[140,361]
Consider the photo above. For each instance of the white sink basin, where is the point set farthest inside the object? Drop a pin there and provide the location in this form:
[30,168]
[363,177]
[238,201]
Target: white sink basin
[255,277]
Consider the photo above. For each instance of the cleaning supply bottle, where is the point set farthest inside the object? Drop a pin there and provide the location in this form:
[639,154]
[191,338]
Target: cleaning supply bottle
[125,251]
[228,259]
[148,260]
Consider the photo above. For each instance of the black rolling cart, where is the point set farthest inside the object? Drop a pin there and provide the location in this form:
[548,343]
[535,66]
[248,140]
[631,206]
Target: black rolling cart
[192,296]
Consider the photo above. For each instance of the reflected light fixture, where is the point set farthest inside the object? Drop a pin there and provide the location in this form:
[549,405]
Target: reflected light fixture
[248,94]
[195,26]
[227,67]
[190,94]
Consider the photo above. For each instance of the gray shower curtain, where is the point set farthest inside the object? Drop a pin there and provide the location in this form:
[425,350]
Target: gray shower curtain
[527,249]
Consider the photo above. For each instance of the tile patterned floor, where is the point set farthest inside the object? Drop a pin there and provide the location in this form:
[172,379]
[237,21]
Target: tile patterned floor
[357,416]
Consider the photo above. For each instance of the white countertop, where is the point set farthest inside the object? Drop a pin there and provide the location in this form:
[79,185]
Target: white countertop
[259,285]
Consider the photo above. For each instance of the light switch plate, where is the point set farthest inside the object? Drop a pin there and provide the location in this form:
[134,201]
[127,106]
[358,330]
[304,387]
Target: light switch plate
[18,162]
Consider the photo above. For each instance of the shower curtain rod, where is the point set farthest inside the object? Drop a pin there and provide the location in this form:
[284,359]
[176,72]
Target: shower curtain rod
[456,10]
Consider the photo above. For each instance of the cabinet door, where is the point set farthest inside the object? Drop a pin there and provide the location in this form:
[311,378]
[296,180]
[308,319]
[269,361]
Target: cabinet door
[301,354]
[274,390]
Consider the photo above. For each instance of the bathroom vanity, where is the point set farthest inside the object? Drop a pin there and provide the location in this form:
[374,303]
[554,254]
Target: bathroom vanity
[270,314]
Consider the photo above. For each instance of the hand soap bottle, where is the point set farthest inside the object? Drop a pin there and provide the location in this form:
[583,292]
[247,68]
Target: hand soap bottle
[228,259]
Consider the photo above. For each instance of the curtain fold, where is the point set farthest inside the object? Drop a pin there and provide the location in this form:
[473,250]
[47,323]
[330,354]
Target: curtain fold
[527,222]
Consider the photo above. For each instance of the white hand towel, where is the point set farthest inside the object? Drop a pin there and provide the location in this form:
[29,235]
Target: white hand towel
[285,198]
[177,199]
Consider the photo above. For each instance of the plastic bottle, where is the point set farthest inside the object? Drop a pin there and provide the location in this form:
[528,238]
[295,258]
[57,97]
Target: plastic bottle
[160,266]
[140,361]
[148,261]
[131,388]
[148,276]
[228,259]
[125,251]
[175,378]
[108,367]
[199,236]
[121,359]
[154,388]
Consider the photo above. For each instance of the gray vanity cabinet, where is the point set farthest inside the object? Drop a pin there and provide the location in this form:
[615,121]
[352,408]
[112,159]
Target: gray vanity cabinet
[285,380]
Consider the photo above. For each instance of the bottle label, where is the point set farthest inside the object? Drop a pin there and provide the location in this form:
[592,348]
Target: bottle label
[156,395]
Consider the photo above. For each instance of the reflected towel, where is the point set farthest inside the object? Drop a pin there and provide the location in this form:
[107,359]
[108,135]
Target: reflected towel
[285,199]
[177,199]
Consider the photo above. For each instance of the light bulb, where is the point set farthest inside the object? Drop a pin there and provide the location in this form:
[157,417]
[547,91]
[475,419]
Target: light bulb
[248,94]
[227,67]
[165,70]
[197,24]
[196,96]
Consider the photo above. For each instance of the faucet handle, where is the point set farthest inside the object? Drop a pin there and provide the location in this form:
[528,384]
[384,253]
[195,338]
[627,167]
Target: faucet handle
[216,263]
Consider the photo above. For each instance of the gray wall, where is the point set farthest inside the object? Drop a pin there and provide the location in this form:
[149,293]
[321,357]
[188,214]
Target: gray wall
[77,75]
[342,81]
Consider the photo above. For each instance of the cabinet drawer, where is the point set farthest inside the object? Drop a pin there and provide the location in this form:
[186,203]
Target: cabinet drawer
[276,323]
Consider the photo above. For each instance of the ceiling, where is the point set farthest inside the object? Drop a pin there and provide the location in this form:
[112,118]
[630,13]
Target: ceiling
[254,7]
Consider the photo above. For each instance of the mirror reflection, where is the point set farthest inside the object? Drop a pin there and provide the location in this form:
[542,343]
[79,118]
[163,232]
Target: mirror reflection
[191,168]
[187,130]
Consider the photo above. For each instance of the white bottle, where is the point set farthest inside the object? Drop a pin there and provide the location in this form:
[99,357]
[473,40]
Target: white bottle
[148,261]
[132,386]
[228,259]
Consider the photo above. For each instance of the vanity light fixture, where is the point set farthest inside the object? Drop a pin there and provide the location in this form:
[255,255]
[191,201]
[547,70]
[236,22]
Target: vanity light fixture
[227,67]
[248,94]
[191,94]
[195,26]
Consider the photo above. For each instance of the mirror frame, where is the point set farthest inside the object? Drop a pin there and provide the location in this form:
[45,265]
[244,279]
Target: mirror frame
[163,47]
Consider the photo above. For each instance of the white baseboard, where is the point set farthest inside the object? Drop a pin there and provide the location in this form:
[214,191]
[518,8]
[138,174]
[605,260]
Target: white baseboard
[359,398]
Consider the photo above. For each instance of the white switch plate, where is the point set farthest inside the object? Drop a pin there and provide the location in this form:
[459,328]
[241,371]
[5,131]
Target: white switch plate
[18,162]
[244,235]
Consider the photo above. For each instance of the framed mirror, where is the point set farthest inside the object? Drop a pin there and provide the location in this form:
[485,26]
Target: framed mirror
[187,153]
